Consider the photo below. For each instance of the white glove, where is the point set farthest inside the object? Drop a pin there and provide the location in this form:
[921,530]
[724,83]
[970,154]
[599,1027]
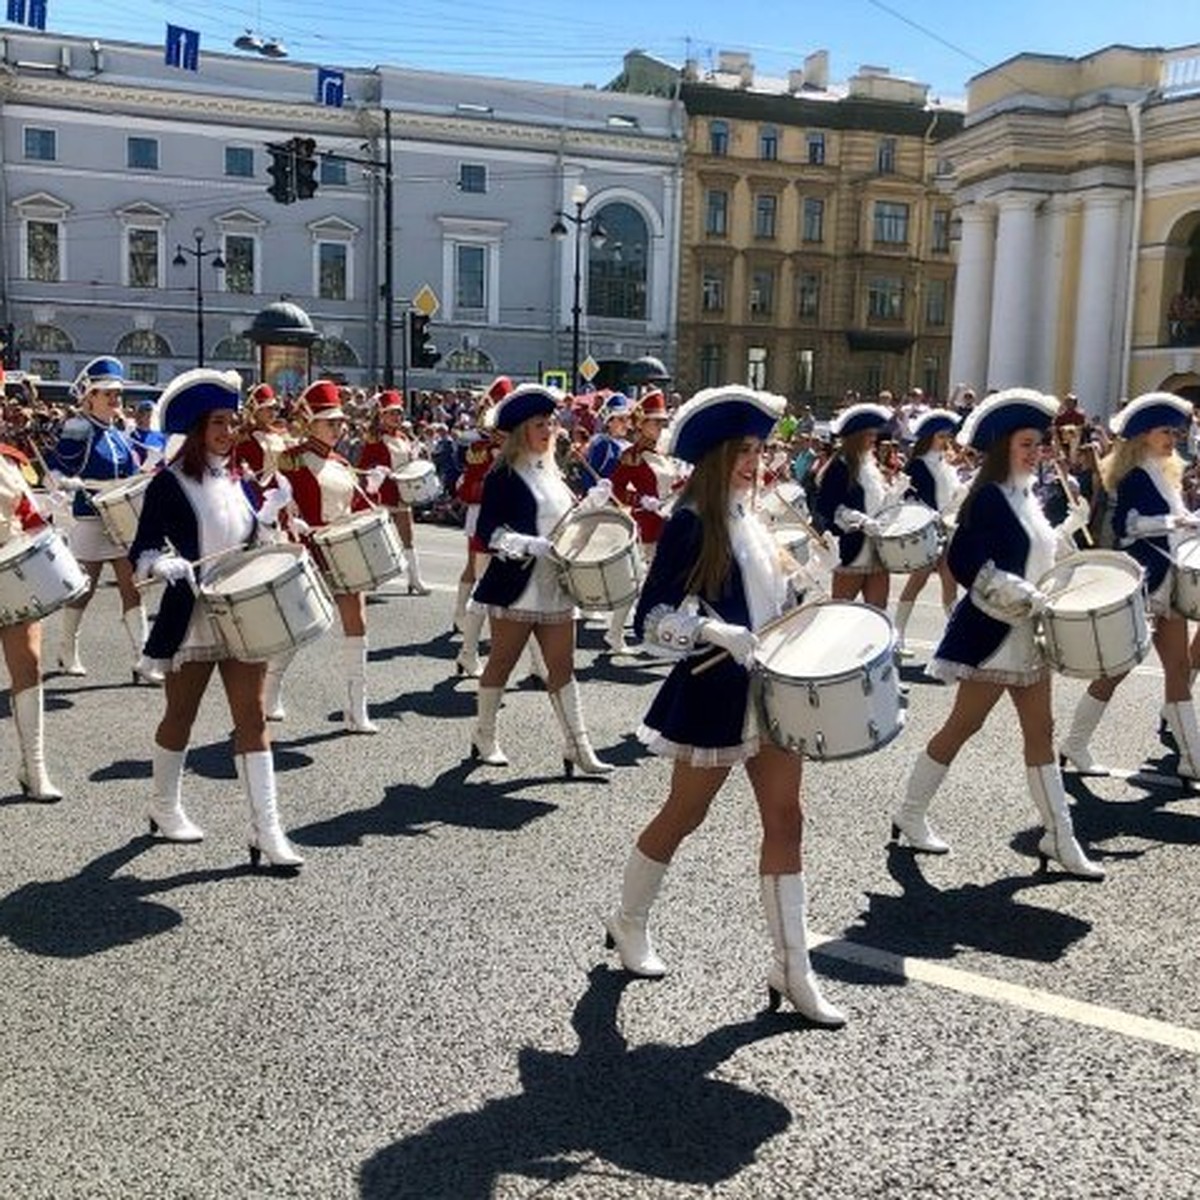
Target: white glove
[173,568]
[299,526]
[1008,591]
[1138,526]
[650,504]
[1189,520]
[850,520]
[1076,519]
[871,527]
[274,501]
[66,483]
[510,545]
[598,495]
[376,477]
[740,642]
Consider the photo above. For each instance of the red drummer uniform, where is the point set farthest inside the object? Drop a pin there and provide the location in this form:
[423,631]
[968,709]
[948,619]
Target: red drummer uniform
[633,477]
[477,463]
[390,451]
[260,450]
[324,487]
[18,513]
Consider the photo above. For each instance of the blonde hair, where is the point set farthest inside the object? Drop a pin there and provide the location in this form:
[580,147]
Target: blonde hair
[1128,454]
[514,445]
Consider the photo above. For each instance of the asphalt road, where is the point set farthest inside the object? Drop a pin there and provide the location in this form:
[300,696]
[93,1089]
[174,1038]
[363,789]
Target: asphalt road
[428,1010]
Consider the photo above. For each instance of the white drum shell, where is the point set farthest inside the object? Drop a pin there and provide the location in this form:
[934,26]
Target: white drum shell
[793,539]
[266,601]
[909,539]
[1185,597]
[836,694]
[119,508]
[598,559]
[361,552]
[418,483]
[38,575]
[1095,624]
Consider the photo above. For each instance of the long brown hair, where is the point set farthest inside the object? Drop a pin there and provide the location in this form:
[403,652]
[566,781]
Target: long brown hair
[994,469]
[708,492]
[192,456]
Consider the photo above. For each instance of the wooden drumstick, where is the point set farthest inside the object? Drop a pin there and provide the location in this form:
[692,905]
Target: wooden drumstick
[587,466]
[769,627]
[1066,487]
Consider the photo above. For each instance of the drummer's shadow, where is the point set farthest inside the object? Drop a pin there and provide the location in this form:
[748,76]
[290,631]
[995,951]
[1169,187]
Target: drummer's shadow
[1098,820]
[214,760]
[928,922]
[439,647]
[445,700]
[415,810]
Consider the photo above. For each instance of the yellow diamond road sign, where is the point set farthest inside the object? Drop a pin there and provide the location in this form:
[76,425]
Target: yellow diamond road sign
[426,302]
[589,368]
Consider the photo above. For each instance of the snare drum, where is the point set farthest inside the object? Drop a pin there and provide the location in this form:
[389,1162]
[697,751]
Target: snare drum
[908,537]
[361,552]
[1185,597]
[268,600]
[828,683]
[418,483]
[794,540]
[38,574]
[119,506]
[1094,624]
[598,559]
[783,504]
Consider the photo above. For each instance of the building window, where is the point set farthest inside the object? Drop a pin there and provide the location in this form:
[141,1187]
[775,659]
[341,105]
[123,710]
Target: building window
[768,143]
[806,371]
[718,138]
[43,261]
[144,372]
[716,213]
[873,384]
[332,270]
[143,259]
[332,171]
[891,223]
[712,290]
[935,302]
[617,269]
[762,292]
[141,154]
[932,375]
[143,343]
[472,177]
[814,220]
[939,240]
[885,156]
[239,264]
[756,368]
[712,365]
[239,162]
[808,295]
[764,216]
[815,143]
[45,368]
[41,144]
[885,299]
[470,279]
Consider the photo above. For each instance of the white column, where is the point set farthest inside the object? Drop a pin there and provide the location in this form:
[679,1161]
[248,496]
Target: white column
[1052,243]
[973,297]
[1014,290]
[1100,302]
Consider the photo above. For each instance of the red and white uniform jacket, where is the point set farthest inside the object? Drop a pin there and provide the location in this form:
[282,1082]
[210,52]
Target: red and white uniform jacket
[324,486]
[18,513]
[632,479]
[477,463]
[261,451]
[390,451]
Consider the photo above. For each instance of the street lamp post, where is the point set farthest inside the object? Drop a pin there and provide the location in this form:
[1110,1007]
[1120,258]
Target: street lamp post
[596,235]
[199,254]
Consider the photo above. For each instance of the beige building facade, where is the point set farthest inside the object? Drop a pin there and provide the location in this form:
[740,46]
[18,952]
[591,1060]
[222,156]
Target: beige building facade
[1076,185]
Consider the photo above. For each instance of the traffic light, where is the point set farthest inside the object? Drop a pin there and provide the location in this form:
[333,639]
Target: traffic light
[423,353]
[283,174]
[306,167]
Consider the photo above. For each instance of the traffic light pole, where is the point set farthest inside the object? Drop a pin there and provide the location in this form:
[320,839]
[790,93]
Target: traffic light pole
[389,267]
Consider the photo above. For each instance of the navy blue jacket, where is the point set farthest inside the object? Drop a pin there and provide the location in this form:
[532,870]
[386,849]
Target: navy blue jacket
[507,501]
[92,450]
[1137,492]
[707,710]
[924,486]
[835,489]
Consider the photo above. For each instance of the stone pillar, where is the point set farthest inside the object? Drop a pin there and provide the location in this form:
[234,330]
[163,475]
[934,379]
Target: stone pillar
[1051,329]
[1014,291]
[973,297]
[1100,303]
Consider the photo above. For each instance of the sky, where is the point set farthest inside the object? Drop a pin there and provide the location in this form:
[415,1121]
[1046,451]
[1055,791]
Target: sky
[939,42]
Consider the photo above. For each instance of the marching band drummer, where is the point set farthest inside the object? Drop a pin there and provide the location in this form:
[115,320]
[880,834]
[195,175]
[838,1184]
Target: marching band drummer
[195,509]
[94,448]
[266,437]
[22,642]
[714,553]
[935,483]
[636,485]
[1001,545]
[524,500]
[607,445]
[851,492]
[1144,473]
[386,447]
[324,489]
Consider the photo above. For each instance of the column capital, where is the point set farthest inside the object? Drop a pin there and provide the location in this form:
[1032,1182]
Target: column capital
[1019,201]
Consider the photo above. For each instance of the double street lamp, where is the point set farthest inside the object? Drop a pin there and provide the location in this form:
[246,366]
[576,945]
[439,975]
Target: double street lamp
[597,237]
[199,254]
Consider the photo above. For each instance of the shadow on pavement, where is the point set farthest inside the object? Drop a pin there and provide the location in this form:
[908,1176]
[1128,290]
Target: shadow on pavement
[439,646]
[96,910]
[1097,819]
[606,1111]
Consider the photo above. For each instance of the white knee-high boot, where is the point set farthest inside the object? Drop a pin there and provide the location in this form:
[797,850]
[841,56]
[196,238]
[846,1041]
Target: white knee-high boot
[467,661]
[28,714]
[68,647]
[785,902]
[1181,720]
[138,627]
[416,586]
[1074,748]
[266,837]
[484,745]
[165,812]
[909,820]
[277,666]
[614,637]
[356,717]
[577,752]
[1058,842]
[904,610]
[627,929]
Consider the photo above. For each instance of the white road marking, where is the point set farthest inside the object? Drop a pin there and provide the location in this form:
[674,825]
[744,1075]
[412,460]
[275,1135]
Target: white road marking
[1095,1016]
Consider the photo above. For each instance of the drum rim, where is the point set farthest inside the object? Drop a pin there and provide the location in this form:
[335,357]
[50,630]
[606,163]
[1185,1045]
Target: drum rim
[606,514]
[297,553]
[887,651]
[32,540]
[345,526]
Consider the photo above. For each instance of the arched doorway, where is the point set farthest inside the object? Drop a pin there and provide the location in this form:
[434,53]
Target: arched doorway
[1186,384]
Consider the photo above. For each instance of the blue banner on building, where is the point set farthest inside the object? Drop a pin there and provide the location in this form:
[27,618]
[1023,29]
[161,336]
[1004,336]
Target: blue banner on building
[183,48]
[331,87]
[16,11]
